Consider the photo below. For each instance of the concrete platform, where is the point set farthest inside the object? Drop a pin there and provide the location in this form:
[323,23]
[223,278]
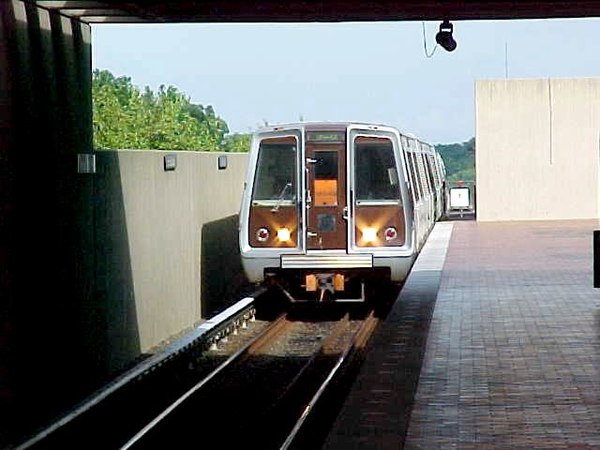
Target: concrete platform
[504,355]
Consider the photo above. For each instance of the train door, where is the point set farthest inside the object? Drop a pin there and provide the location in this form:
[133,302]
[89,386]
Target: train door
[438,183]
[432,181]
[413,185]
[420,208]
[326,204]
[427,196]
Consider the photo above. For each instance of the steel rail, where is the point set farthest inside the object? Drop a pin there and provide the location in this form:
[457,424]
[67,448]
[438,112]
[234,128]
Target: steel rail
[357,343]
[202,333]
[329,341]
[239,355]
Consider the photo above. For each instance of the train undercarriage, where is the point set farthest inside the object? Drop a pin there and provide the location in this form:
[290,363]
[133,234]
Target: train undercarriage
[327,286]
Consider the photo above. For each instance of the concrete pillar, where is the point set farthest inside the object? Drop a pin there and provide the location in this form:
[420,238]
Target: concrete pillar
[46,214]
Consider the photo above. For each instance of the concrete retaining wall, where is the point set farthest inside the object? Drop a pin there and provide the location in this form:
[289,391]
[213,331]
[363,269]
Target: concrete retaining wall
[166,243]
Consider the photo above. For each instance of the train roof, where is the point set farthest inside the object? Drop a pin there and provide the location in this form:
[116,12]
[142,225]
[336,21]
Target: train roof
[334,125]
[321,124]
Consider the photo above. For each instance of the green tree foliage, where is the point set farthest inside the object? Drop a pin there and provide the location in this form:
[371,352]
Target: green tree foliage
[124,117]
[237,142]
[213,128]
[459,159]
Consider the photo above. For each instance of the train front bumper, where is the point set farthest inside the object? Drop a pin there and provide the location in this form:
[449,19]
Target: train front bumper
[399,265]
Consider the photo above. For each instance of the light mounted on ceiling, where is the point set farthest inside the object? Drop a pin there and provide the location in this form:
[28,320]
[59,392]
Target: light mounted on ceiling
[444,36]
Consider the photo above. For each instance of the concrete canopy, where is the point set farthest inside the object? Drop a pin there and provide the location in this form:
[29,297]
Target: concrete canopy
[154,11]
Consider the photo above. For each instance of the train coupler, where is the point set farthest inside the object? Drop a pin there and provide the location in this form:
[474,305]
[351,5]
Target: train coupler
[326,283]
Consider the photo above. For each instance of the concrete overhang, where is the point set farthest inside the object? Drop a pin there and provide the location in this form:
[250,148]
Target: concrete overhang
[153,11]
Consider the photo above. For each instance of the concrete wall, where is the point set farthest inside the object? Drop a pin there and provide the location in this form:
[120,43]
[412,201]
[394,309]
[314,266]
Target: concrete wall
[537,149]
[167,245]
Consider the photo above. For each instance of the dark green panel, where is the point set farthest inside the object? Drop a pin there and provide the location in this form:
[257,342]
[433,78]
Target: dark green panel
[7,226]
[19,75]
[46,244]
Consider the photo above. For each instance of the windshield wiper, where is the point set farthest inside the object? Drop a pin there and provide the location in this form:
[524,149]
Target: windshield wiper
[281,195]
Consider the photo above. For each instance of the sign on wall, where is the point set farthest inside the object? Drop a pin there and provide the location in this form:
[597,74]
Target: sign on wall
[459,197]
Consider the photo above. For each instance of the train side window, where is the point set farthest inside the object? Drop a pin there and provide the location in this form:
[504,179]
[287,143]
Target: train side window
[376,171]
[436,170]
[275,178]
[433,167]
[417,186]
[421,171]
[416,176]
[438,174]
[430,172]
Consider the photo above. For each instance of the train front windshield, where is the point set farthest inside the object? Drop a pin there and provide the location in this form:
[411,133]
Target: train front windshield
[376,173]
[276,173]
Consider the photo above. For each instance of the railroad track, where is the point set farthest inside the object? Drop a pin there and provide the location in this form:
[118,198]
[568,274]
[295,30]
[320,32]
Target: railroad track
[244,380]
[268,392]
[110,416]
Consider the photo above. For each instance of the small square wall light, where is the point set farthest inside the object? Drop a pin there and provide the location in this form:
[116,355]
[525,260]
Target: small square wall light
[170,162]
[222,162]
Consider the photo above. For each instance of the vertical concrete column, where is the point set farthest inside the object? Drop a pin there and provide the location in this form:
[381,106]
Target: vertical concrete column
[7,285]
[46,211]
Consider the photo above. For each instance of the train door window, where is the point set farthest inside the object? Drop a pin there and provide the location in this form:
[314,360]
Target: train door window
[326,178]
[376,171]
[275,180]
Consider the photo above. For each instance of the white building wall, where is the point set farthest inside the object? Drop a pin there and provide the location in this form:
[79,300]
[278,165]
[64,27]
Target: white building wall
[537,149]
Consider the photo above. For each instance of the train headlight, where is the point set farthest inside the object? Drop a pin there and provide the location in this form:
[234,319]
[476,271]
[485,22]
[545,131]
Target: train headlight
[262,234]
[283,234]
[369,234]
[390,233]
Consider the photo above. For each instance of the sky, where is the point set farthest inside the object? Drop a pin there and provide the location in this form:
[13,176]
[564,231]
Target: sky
[379,72]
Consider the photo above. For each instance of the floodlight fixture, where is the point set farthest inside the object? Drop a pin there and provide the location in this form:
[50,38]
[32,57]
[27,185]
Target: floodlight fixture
[444,36]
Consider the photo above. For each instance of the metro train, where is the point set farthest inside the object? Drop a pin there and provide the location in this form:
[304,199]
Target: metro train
[331,209]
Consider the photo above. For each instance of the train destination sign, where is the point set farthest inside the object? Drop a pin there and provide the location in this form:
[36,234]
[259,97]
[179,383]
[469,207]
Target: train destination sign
[325,136]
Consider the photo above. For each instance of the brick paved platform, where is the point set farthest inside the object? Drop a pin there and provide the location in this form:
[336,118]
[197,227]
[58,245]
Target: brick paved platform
[509,358]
